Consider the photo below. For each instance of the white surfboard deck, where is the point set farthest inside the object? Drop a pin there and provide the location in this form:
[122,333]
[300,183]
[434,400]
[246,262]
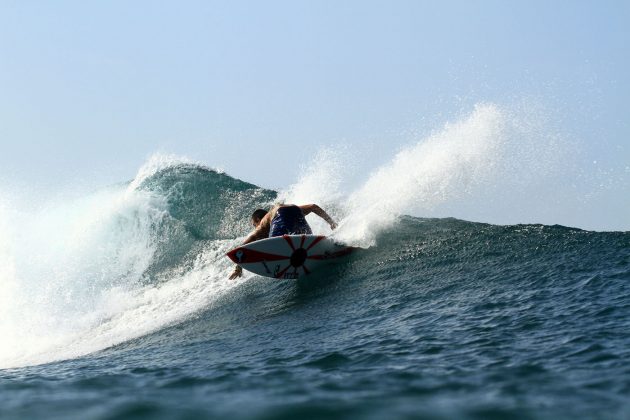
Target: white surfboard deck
[288,256]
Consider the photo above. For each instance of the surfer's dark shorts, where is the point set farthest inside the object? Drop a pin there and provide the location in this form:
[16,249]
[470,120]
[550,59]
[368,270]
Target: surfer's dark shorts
[289,220]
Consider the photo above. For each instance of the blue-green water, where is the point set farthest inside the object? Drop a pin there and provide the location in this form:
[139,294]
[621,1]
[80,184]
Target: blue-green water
[441,318]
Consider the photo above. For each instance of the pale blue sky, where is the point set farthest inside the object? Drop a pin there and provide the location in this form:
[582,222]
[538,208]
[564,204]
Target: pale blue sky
[88,89]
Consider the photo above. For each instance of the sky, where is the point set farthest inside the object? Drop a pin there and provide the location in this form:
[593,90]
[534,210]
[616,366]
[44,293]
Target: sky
[89,90]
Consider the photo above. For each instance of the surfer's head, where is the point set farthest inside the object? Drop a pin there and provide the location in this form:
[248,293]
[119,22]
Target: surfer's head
[257,216]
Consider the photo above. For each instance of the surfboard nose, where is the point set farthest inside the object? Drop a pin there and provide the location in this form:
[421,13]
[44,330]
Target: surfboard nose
[236,255]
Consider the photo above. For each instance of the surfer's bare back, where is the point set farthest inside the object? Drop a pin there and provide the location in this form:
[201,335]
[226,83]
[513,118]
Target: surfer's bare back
[282,219]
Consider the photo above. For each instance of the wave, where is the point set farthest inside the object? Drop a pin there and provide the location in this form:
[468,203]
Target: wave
[85,274]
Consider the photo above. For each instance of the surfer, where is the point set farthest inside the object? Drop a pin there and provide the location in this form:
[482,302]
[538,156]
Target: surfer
[282,219]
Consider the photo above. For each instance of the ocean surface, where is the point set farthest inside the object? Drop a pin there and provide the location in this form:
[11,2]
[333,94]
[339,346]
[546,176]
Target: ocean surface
[128,313]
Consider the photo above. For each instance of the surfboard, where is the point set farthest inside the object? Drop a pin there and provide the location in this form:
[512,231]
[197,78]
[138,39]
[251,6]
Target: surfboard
[288,256]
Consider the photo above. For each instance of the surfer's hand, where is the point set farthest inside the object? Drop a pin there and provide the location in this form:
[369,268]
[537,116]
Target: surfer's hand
[333,225]
[238,272]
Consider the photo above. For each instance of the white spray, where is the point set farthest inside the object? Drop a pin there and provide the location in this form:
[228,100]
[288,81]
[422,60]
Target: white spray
[489,166]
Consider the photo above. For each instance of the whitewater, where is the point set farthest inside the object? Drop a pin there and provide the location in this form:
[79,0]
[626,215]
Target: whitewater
[118,300]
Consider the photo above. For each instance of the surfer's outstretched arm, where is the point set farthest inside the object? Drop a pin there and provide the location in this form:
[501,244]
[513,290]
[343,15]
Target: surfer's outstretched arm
[314,208]
[261,231]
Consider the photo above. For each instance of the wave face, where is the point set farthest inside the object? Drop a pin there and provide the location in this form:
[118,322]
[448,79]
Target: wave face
[118,300]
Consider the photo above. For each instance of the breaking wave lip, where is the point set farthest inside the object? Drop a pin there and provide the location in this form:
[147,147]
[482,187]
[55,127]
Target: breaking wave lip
[88,274]
[82,276]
